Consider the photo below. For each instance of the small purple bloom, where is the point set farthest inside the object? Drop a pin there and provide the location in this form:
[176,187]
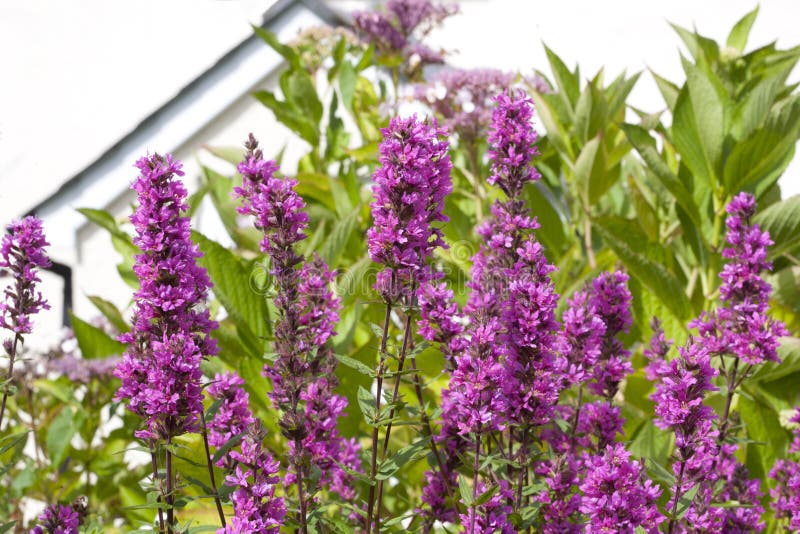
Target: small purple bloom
[58,519]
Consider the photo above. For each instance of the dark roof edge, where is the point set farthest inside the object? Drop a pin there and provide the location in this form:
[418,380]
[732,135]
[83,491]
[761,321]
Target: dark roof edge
[277,10]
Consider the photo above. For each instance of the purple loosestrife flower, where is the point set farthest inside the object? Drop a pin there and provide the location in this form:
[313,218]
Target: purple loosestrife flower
[786,474]
[741,326]
[233,416]
[22,253]
[400,29]
[84,371]
[463,98]
[61,519]
[302,374]
[610,297]
[440,319]
[491,517]
[411,184]
[583,335]
[512,143]
[617,498]
[255,476]
[160,371]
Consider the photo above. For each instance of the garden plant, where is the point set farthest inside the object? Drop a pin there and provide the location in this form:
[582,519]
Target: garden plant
[482,302]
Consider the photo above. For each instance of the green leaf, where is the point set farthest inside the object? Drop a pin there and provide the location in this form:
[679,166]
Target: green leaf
[367,404]
[762,157]
[789,353]
[347,84]
[741,30]
[645,146]
[233,287]
[669,91]
[93,342]
[465,490]
[763,426]
[405,455]
[298,88]
[287,52]
[110,312]
[293,118]
[358,365]
[627,243]
[6,527]
[697,126]
[652,443]
[685,502]
[232,154]
[569,89]
[337,240]
[60,433]
[591,178]
[782,221]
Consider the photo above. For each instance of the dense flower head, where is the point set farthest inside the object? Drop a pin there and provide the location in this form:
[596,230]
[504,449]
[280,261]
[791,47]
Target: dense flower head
[160,371]
[583,335]
[58,519]
[786,493]
[232,417]
[303,371]
[273,202]
[492,516]
[616,495]
[22,253]
[410,186]
[512,142]
[741,326]
[256,507]
[440,319]
[401,27]
[560,501]
[611,299]
[463,98]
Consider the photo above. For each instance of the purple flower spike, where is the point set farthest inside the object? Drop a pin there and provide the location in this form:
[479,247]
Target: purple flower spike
[741,327]
[22,253]
[233,417]
[512,140]
[160,371]
[302,375]
[410,187]
[58,519]
[616,496]
[255,505]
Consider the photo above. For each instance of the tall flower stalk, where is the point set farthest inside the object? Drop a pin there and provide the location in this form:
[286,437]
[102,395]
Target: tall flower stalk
[410,186]
[160,370]
[22,254]
[302,375]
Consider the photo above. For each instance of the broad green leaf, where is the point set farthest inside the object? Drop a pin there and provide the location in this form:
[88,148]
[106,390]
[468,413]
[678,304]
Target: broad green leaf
[789,353]
[367,404]
[697,126]
[298,88]
[315,186]
[782,221]
[669,91]
[556,132]
[763,427]
[291,117]
[93,341]
[337,240]
[737,38]
[466,491]
[110,312]
[60,432]
[591,177]
[400,458]
[243,301]
[628,245]
[232,154]
[645,145]
[347,84]
[272,40]
[566,80]
[652,443]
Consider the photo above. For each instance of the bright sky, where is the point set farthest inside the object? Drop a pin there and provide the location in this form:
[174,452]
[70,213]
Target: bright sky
[79,74]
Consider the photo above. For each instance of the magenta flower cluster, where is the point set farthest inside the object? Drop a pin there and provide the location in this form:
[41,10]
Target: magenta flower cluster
[302,374]
[58,519]
[160,371]
[410,186]
[22,254]
[401,28]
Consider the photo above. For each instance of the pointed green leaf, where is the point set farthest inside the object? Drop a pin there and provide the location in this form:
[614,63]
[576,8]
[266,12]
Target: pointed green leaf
[110,312]
[94,342]
[741,31]
[669,91]
[567,81]
[782,221]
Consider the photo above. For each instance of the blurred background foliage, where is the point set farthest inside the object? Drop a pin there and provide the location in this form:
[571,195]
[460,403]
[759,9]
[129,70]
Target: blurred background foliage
[644,189]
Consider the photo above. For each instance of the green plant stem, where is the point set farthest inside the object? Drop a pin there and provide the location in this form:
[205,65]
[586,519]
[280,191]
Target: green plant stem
[673,519]
[395,395]
[217,500]
[154,462]
[475,469]
[374,456]
[301,498]
[169,498]
[12,355]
